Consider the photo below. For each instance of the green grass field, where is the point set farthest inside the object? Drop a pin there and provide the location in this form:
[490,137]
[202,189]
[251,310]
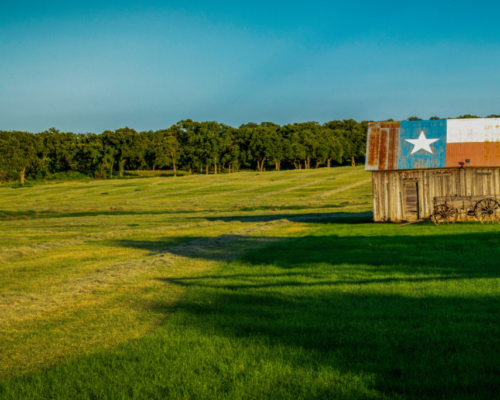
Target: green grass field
[244,286]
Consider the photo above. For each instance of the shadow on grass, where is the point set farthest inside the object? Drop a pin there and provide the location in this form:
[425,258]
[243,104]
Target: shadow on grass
[420,313]
[353,311]
[336,217]
[32,214]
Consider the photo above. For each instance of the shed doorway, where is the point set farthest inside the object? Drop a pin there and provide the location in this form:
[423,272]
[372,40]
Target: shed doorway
[411,201]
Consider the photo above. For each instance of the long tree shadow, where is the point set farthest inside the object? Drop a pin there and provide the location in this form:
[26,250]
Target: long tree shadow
[433,347]
[320,218]
[350,312]
[467,255]
[419,312]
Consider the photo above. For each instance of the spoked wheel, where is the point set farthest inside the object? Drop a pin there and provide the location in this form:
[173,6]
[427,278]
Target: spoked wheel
[444,214]
[487,210]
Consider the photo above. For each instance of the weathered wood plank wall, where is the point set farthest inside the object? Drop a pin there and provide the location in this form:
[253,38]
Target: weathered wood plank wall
[389,194]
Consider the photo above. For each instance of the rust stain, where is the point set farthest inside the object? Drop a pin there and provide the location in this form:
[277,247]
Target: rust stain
[394,145]
[382,155]
[373,143]
[392,161]
[390,124]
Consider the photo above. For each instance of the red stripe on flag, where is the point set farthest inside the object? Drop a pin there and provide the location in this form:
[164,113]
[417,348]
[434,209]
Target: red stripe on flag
[484,154]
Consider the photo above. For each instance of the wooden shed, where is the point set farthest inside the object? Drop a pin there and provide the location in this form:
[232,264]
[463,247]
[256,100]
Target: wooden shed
[444,168]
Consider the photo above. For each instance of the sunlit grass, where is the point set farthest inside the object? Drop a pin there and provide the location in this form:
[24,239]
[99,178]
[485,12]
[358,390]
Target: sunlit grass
[331,310]
[270,285]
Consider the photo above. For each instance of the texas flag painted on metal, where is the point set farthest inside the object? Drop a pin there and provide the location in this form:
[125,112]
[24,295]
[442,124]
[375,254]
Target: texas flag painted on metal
[433,144]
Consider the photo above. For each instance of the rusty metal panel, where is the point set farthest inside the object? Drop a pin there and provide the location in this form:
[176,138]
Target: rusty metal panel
[392,160]
[382,147]
[372,146]
[390,124]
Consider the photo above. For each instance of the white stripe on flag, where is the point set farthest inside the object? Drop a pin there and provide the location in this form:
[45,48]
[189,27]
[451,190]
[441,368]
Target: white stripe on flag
[476,130]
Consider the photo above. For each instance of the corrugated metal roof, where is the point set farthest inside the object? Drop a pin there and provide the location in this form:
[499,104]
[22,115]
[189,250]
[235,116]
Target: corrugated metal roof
[433,144]
[382,146]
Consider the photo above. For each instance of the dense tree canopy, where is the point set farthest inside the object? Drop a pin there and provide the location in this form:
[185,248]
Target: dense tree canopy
[199,147]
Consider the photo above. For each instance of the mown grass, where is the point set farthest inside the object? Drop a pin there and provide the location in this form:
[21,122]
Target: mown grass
[278,286]
[338,310]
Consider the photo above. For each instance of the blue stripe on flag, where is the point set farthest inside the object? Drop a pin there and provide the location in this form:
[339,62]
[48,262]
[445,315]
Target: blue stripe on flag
[435,129]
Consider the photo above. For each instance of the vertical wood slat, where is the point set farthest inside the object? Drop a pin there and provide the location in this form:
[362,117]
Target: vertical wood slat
[478,183]
[463,192]
[489,183]
[394,198]
[387,197]
[422,190]
[420,195]
[468,189]
[399,191]
[426,186]
[403,196]
[401,204]
[496,180]
[395,201]
[451,184]
[432,191]
[382,196]
[374,196]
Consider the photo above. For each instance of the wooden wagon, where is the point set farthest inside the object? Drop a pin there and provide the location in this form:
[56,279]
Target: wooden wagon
[485,209]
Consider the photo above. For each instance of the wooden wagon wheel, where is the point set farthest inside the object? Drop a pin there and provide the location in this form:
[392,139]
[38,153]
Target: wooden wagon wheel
[487,210]
[444,214]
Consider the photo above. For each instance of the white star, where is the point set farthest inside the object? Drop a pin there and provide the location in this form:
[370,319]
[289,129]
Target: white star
[422,143]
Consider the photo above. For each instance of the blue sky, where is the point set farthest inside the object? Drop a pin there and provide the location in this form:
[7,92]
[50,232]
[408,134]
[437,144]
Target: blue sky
[91,66]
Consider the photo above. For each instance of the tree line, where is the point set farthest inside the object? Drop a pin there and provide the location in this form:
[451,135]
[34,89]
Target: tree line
[198,147]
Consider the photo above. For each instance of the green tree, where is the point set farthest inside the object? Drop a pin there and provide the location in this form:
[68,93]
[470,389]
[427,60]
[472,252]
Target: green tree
[257,141]
[294,146]
[59,148]
[18,152]
[331,147]
[466,116]
[163,148]
[91,155]
[124,146]
[354,134]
